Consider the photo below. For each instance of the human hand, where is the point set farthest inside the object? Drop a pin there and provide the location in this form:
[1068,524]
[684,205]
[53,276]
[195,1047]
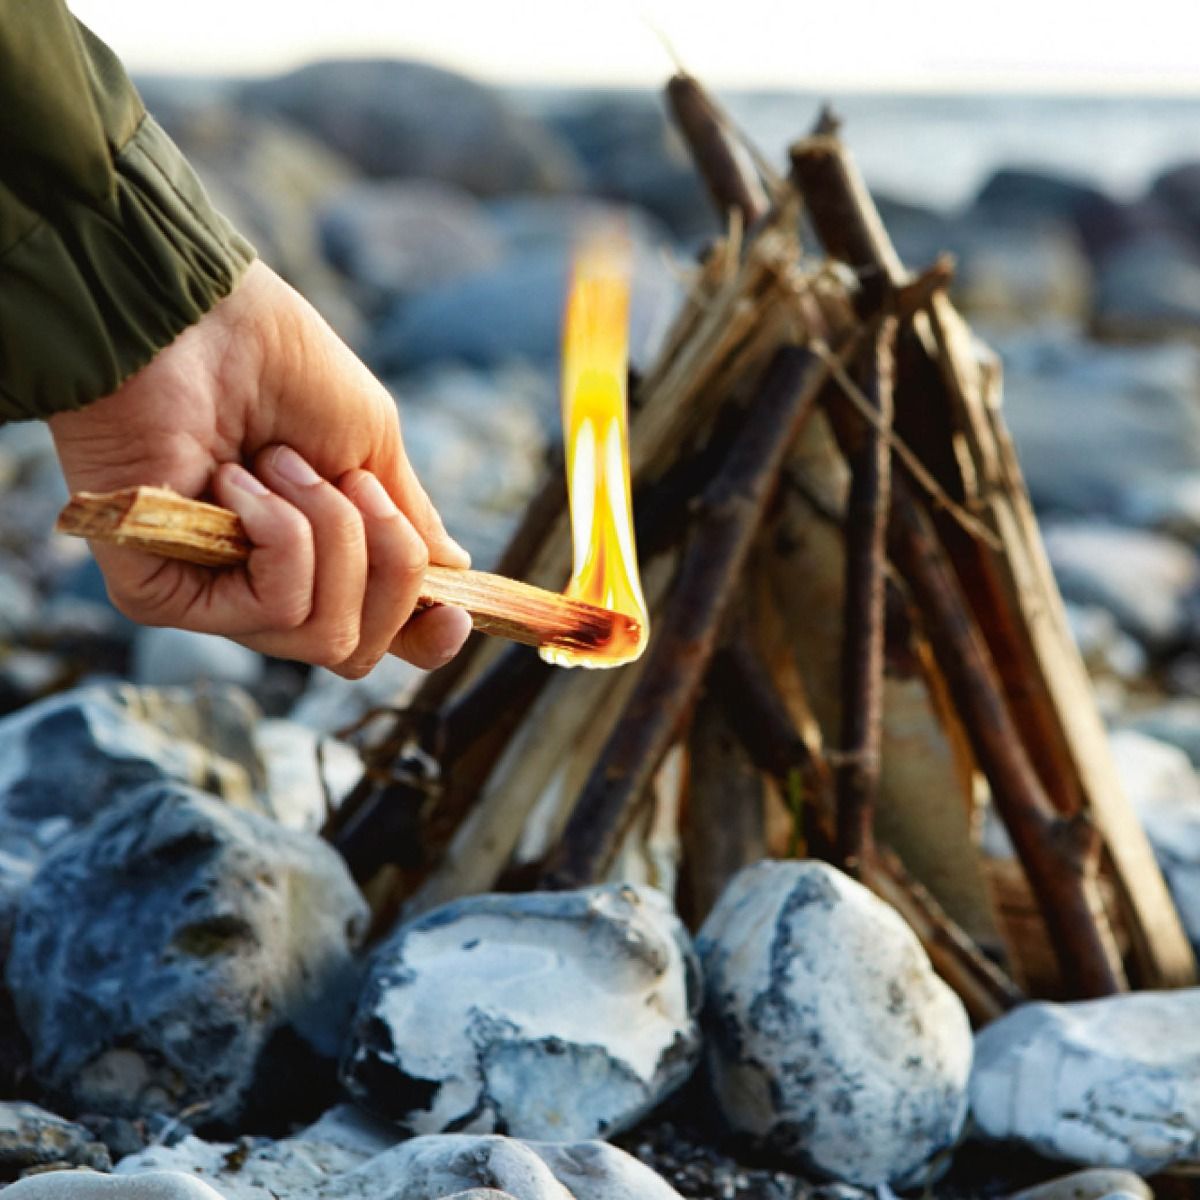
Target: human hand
[262,407]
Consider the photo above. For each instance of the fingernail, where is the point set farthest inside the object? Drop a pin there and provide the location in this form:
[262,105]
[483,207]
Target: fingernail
[458,555]
[293,468]
[241,479]
[371,496]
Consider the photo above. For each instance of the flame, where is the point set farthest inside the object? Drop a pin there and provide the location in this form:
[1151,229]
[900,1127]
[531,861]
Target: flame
[596,430]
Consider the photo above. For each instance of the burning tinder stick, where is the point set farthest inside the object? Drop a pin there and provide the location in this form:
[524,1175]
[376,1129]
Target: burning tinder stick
[162,522]
[596,432]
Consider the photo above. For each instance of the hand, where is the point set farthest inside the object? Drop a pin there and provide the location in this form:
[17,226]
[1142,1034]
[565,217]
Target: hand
[262,407]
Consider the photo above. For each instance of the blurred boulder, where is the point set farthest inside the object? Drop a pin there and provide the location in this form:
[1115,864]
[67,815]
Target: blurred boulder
[395,237]
[401,118]
[829,1039]
[1147,580]
[477,441]
[271,180]
[1177,189]
[1101,429]
[631,152]
[165,657]
[1015,195]
[176,953]
[1148,288]
[514,311]
[548,1015]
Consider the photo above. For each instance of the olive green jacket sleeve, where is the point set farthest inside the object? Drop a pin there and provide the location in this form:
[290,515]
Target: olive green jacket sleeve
[109,247]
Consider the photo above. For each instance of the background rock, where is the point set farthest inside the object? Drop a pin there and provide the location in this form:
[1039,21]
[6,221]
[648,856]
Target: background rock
[1099,1082]
[402,118]
[397,237]
[177,657]
[1148,581]
[32,1137]
[829,1038]
[1096,425]
[547,1015]
[180,953]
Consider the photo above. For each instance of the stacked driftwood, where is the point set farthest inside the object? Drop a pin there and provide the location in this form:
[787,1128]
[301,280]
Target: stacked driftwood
[859,652]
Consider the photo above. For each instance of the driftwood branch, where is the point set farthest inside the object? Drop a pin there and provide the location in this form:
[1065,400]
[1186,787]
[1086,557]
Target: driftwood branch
[732,509]
[863,623]
[720,158]
[161,522]
[1060,854]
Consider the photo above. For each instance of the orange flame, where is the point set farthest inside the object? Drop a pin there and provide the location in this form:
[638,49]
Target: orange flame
[596,430]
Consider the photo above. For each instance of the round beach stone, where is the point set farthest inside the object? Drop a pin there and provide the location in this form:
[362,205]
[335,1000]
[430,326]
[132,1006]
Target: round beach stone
[1112,1082]
[830,1040]
[554,1016]
[88,1185]
[177,952]
[32,1137]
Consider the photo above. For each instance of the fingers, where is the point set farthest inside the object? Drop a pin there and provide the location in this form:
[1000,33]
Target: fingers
[332,579]
[432,638]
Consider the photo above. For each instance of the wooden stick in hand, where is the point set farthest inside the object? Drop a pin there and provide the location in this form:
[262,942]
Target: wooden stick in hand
[162,522]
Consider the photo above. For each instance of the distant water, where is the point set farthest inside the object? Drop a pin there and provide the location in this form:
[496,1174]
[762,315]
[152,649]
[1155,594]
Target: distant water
[938,149]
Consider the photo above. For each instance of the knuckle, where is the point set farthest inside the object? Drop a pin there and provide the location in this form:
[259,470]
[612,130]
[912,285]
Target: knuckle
[338,647]
[289,610]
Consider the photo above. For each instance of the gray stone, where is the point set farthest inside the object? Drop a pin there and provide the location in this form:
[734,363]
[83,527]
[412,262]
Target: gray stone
[1098,1183]
[330,703]
[411,119]
[1164,790]
[531,223]
[67,757]
[178,657]
[18,601]
[1106,649]
[86,1185]
[1112,1082]
[1147,580]
[829,1038]
[1023,194]
[433,1167]
[1148,288]
[400,236]
[632,153]
[1132,413]
[177,952]
[514,310]
[308,775]
[1176,722]
[546,1015]
[477,441]
[32,1137]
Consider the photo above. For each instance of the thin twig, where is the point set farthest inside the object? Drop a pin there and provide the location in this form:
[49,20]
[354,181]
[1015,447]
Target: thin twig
[863,613]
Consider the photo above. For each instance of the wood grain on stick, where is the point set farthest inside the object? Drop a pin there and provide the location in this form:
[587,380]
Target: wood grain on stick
[162,522]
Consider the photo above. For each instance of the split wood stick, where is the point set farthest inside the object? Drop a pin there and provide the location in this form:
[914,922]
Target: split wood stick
[162,522]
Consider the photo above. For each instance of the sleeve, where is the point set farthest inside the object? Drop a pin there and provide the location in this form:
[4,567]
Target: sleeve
[109,247]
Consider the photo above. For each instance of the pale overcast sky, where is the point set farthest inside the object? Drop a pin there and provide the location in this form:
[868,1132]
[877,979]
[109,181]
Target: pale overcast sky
[1025,44]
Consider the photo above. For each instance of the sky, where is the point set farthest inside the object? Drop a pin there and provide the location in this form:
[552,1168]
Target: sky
[1026,45]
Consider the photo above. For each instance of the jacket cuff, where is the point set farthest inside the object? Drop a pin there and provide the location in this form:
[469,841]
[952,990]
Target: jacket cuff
[91,294]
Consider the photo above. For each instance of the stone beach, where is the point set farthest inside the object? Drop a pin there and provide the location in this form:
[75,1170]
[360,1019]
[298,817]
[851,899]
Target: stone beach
[193,1003]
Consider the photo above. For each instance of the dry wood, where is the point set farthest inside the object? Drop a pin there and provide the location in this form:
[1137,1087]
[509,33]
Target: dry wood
[956,424]
[162,522]
[767,723]
[721,159]
[732,509]
[1060,854]
[863,624]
